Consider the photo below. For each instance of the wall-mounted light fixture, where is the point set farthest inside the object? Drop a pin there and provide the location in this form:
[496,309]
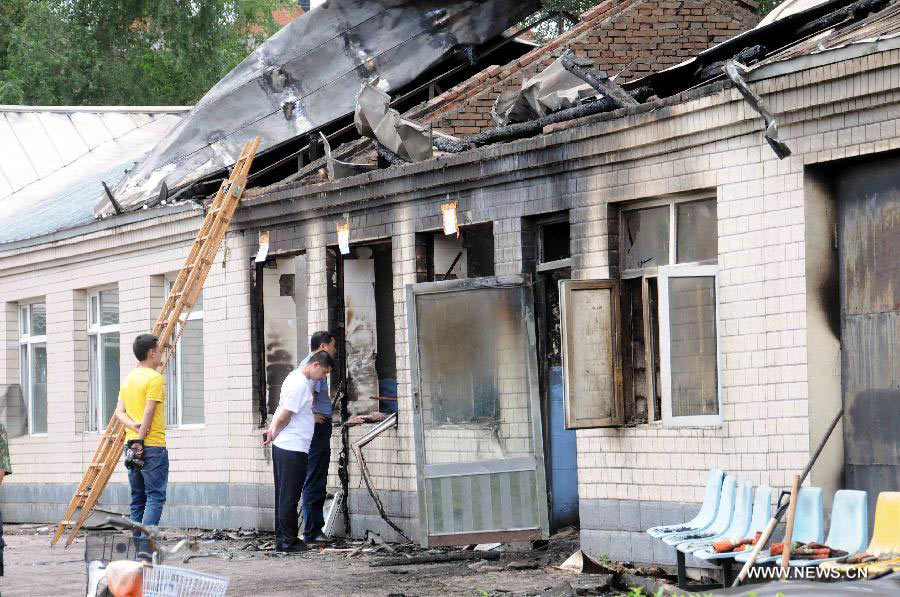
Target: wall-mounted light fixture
[343,234]
[451,225]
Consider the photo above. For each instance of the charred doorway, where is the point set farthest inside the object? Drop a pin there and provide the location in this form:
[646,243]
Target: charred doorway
[546,247]
[280,331]
[869,272]
[361,312]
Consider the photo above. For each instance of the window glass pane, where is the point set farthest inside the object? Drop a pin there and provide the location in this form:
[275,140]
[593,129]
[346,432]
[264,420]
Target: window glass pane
[93,310]
[93,384]
[23,370]
[172,392]
[191,361]
[198,304]
[110,355]
[692,323]
[109,307]
[39,388]
[38,319]
[475,392]
[645,235]
[23,320]
[590,364]
[697,231]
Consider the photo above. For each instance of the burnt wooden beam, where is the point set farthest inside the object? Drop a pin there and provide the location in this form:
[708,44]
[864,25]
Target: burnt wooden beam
[112,199]
[584,69]
[735,72]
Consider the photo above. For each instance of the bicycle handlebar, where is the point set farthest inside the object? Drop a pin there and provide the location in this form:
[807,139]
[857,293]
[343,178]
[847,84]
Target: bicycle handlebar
[129,525]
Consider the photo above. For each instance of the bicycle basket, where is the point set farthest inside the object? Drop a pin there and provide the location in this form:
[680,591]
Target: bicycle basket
[169,581]
[109,547]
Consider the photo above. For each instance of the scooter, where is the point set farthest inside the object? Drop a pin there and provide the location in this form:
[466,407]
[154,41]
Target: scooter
[145,575]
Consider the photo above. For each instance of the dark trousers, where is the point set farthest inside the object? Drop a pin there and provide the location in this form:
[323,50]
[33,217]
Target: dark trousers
[290,473]
[148,486]
[316,478]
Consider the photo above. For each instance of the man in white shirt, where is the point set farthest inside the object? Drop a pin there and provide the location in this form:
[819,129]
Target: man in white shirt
[290,434]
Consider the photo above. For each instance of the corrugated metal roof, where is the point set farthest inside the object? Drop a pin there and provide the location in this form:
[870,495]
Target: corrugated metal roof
[52,160]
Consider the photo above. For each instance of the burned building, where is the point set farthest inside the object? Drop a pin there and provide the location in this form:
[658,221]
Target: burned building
[627,297]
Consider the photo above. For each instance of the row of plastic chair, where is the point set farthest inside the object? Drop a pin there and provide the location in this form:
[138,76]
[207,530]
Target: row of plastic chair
[730,511]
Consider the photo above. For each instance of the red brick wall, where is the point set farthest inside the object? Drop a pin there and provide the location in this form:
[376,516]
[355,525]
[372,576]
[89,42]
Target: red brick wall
[659,33]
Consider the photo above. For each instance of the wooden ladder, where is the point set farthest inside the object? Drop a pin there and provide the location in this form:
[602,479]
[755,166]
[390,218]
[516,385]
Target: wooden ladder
[168,328]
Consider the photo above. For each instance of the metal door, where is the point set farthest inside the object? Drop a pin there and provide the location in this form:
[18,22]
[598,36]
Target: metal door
[868,248]
[479,444]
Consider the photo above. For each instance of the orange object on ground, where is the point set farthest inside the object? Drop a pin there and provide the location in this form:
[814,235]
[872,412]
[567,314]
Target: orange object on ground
[125,578]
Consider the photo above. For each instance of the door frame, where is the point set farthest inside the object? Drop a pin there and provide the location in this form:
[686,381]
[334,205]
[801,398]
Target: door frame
[543,531]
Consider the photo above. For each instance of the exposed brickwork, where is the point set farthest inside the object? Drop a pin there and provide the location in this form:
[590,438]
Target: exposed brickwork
[655,33]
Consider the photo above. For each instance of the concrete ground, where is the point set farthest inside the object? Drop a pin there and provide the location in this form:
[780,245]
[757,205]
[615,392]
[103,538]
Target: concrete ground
[33,569]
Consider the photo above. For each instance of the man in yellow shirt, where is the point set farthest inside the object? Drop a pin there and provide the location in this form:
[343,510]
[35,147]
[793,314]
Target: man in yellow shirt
[141,409]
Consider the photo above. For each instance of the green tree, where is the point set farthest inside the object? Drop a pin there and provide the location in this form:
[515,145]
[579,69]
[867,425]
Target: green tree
[137,52]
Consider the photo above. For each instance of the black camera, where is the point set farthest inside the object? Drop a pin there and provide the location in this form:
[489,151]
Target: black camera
[133,460]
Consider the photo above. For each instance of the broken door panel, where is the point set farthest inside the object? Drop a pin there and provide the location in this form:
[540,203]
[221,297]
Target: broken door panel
[479,447]
[869,271]
[592,363]
[361,317]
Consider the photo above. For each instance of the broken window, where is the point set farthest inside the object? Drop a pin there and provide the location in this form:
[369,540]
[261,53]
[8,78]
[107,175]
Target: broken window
[645,237]
[451,257]
[369,346]
[282,352]
[103,356]
[184,373]
[553,241]
[33,363]
[667,327]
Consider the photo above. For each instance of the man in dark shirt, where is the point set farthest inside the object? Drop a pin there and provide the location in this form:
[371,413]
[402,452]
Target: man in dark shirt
[319,448]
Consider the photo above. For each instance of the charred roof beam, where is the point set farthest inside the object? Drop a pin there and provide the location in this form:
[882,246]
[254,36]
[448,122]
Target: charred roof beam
[583,68]
[735,72]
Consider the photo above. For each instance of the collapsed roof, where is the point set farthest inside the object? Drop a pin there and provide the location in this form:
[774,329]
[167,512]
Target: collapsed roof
[810,26]
[307,75]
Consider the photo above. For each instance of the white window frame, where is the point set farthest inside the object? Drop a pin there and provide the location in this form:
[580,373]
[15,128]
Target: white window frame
[175,403]
[26,370]
[96,330]
[664,273]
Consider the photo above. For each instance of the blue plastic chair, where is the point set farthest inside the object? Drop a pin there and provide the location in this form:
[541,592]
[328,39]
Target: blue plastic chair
[722,520]
[809,522]
[707,512]
[736,529]
[762,512]
[849,529]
